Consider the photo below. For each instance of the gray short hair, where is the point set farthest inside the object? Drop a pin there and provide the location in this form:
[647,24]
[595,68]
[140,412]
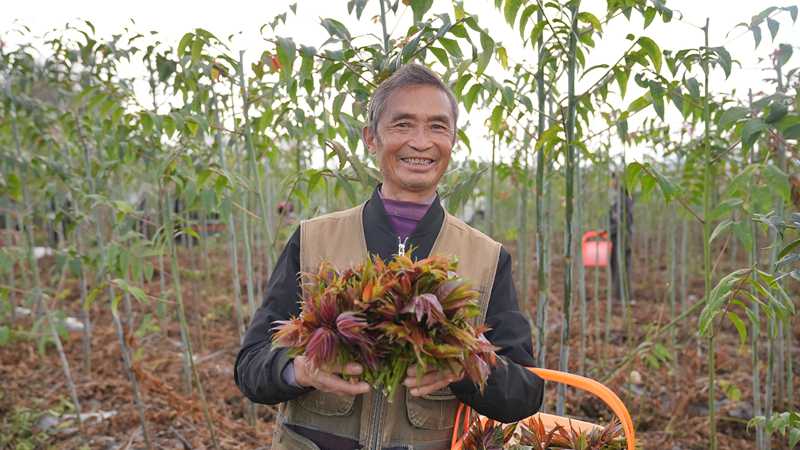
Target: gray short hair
[407,75]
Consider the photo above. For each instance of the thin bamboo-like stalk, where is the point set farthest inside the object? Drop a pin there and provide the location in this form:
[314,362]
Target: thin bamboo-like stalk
[579,206]
[570,181]
[596,271]
[755,331]
[542,289]
[169,228]
[685,261]
[610,294]
[491,215]
[708,184]
[775,354]
[672,230]
[522,236]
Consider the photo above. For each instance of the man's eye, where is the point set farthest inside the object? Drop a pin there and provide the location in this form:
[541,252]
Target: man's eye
[403,125]
[438,126]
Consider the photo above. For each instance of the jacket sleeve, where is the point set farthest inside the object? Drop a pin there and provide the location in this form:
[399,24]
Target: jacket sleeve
[259,366]
[512,392]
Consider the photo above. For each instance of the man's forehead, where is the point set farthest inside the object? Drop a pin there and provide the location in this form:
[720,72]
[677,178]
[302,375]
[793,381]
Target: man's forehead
[432,106]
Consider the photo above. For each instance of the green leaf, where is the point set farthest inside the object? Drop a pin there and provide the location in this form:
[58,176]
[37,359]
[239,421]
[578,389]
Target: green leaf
[621,75]
[743,232]
[537,31]
[451,46]
[441,55]
[523,19]
[773,26]
[639,104]
[792,132]
[756,34]
[287,52]
[784,54]
[693,86]
[502,55]
[496,118]
[657,95]
[197,49]
[487,44]
[14,186]
[740,327]
[590,19]
[653,51]
[420,7]
[649,15]
[632,174]
[777,180]
[732,115]
[789,248]
[458,88]
[777,111]
[137,292]
[5,335]
[724,59]
[348,187]
[720,228]
[751,131]
[185,42]
[471,96]
[510,11]
[793,13]
[336,29]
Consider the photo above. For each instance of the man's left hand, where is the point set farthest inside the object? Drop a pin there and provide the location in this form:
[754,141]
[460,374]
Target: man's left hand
[429,382]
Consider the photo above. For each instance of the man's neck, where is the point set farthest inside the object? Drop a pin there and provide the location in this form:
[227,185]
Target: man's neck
[421,198]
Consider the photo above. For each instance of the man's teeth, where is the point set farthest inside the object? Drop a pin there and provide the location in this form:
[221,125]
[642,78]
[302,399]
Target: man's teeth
[418,161]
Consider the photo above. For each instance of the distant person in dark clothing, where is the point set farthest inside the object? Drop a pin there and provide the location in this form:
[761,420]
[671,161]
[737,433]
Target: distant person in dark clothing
[621,231]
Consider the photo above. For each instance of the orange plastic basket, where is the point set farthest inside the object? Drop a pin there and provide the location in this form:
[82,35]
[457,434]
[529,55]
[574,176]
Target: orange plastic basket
[549,420]
[596,248]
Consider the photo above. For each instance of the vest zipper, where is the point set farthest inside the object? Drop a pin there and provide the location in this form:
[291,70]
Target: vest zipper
[401,245]
[374,439]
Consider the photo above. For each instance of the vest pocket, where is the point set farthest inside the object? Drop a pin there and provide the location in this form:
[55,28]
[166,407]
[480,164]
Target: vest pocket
[435,411]
[327,404]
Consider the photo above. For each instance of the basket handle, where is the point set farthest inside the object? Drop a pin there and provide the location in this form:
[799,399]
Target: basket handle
[591,234]
[586,384]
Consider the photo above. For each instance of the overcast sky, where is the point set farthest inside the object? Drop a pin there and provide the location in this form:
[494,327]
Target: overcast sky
[244,18]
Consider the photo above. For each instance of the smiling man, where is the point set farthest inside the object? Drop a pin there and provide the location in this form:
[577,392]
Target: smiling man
[411,133]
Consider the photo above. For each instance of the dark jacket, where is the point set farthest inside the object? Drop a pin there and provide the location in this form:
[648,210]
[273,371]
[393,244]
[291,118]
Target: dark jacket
[512,392]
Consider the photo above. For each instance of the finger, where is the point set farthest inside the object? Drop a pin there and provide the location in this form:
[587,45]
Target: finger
[414,381]
[429,378]
[427,389]
[352,369]
[333,384]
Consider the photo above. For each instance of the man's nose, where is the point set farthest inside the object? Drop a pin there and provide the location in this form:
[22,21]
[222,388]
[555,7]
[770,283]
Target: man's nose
[421,139]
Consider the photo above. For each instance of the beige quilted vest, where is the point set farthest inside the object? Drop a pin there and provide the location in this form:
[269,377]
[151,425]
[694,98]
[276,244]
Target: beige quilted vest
[420,423]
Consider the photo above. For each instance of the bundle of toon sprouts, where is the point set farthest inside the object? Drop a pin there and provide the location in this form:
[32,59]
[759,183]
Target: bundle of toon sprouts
[387,317]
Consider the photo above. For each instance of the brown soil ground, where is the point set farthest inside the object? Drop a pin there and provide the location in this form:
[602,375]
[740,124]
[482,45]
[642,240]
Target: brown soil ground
[668,399]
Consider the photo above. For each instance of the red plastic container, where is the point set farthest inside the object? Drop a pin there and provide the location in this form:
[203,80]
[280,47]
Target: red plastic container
[596,248]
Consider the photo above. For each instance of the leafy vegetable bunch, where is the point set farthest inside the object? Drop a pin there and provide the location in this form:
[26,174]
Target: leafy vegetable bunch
[388,316]
[531,434]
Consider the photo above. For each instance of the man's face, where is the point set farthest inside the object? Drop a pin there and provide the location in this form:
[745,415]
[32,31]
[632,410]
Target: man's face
[414,140]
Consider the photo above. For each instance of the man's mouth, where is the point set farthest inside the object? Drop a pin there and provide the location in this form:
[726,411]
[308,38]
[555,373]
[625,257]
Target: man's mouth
[421,162]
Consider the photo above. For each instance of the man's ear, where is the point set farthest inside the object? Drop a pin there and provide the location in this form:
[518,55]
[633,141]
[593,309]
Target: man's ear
[369,139]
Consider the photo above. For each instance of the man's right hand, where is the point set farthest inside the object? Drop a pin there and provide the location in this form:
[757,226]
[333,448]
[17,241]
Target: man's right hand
[329,380]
